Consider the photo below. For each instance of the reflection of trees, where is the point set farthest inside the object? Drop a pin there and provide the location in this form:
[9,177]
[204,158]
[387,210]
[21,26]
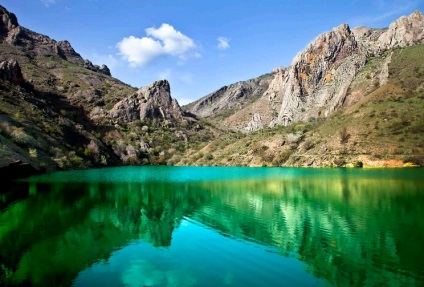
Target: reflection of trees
[350,232]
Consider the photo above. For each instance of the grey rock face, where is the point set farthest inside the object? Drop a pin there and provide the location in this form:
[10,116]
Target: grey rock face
[10,71]
[37,45]
[67,52]
[234,96]
[255,124]
[99,69]
[8,22]
[317,81]
[104,70]
[406,31]
[319,77]
[151,102]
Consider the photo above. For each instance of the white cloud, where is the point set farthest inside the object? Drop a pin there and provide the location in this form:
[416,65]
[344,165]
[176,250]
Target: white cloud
[223,43]
[162,41]
[47,3]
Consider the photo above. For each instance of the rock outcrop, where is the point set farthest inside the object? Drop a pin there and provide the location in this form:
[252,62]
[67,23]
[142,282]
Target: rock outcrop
[151,102]
[234,96]
[255,123]
[58,112]
[8,22]
[11,71]
[318,79]
[405,31]
[37,45]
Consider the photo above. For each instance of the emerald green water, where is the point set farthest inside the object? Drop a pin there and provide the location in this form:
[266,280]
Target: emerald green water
[214,226]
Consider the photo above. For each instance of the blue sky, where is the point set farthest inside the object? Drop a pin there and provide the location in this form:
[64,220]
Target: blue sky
[198,45]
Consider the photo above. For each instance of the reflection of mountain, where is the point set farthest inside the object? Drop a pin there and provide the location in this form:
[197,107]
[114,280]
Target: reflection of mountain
[351,232]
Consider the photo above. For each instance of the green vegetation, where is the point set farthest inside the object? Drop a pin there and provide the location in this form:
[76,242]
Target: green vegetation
[384,127]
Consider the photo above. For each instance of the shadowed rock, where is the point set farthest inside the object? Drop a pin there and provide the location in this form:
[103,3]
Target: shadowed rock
[151,102]
[10,71]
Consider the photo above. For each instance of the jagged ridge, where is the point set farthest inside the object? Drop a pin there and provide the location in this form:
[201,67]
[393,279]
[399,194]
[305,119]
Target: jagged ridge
[317,81]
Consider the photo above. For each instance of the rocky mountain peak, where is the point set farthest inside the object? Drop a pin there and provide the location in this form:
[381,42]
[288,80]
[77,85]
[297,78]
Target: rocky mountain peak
[313,71]
[8,23]
[150,102]
[37,45]
[66,50]
[405,31]
[9,20]
[319,77]
[232,98]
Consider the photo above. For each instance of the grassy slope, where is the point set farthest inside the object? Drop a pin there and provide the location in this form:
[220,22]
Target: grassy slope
[383,126]
[46,122]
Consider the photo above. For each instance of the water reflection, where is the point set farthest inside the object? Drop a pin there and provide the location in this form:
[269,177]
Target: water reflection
[349,228]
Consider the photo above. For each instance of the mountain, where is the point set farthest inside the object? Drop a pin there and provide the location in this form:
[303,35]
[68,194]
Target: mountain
[59,111]
[353,97]
[220,105]
[318,80]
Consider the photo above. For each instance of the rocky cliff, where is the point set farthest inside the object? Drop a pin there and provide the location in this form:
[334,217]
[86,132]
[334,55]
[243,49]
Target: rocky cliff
[229,99]
[318,80]
[58,110]
[151,102]
[35,45]
[319,77]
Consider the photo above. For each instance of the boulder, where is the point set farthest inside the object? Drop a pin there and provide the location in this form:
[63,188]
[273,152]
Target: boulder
[255,124]
[11,71]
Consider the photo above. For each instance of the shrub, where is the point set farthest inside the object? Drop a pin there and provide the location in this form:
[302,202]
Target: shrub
[282,157]
[174,160]
[344,135]
[103,160]
[20,137]
[268,156]
[208,156]
[294,137]
[308,144]
[358,164]
[339,162]
[33,152]
[417,160]
[70,161]
[87,152]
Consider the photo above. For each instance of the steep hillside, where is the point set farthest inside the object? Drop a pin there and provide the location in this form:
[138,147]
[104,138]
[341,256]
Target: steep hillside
[381,123]
[58,110]
[225,102]
[353,97]
[318,80]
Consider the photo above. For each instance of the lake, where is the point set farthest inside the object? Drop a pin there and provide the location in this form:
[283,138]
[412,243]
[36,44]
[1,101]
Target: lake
[214,226]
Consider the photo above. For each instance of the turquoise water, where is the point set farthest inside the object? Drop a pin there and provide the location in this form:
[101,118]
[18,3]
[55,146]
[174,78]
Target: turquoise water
[214,226]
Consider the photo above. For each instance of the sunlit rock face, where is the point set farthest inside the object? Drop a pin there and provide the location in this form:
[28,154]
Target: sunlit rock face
[149,102]
[230,97]
[318,79]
